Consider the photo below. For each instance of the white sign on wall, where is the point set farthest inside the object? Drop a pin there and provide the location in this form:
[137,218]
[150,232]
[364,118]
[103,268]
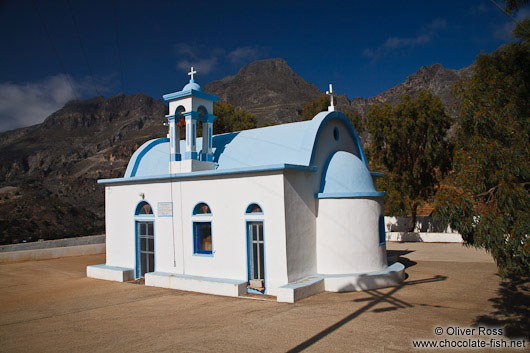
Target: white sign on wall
[165,209]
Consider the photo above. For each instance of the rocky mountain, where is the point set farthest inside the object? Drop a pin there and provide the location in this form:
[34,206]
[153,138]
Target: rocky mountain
[269,89]
[49,171]
[435,78]
[274,93]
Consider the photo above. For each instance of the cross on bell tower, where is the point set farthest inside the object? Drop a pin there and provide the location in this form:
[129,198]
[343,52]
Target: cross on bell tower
[331,107]
[191,73]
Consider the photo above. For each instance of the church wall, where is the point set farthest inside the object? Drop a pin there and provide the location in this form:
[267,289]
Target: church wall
[121,202]
[347,236]
[228,198]
[300,224]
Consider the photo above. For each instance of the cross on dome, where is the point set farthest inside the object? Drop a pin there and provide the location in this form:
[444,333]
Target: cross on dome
[191,73]
[331,107]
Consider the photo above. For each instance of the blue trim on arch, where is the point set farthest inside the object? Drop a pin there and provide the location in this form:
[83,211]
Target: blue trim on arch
[311,136]
[255,213]
[194,210]
[324,171]
[141,218]
[136,158]
[137,209]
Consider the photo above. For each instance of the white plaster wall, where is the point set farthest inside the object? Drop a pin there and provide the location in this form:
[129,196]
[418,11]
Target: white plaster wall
[190,104]
[228,198]
[300,224]
[347,236]
[197,102]
[120,205]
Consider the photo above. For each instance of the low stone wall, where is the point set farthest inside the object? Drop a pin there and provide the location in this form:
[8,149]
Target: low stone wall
[423,224]
[426,237]
[57,243]
[52,249]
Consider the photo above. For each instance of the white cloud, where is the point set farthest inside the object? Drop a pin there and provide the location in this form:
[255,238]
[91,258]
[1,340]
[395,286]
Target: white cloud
[392,43]
[25,104]
[202,65]
[191,55]
[244,54]
[504,32]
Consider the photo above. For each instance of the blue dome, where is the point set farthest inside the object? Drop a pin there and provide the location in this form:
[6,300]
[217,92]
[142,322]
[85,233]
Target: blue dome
[192,85]
[346,174]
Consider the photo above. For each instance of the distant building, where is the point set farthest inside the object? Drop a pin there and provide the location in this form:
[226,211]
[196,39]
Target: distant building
[287,210]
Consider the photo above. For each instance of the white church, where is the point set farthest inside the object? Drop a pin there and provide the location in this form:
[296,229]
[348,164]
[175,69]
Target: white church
[287,210]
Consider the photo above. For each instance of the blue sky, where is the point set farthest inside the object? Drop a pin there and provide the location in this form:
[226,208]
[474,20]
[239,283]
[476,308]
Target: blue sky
[362,47]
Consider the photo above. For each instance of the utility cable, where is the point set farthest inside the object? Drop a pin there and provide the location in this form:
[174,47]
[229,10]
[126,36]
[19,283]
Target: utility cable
[81,45]
[504,11]
[118,44]
[54,48]
[507,13]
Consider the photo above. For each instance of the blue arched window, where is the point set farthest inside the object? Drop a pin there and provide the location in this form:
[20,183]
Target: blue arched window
[203,112]
[253,208]
[143,209]
[202,209]
[202,229]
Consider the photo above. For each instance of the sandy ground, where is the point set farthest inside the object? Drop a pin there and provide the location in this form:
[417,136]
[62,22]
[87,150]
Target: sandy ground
[50,306]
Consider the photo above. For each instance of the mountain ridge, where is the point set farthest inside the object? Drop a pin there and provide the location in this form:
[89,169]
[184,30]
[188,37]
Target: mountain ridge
[49,171]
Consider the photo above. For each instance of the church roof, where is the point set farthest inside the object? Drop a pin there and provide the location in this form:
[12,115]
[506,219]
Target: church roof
[345,175]
[287,144]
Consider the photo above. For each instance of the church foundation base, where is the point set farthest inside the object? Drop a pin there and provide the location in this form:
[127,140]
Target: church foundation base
[310,285]
[110,273]
[209,285]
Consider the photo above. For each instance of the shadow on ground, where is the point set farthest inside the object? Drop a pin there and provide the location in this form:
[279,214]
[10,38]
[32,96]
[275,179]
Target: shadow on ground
[374,298]
[512,308]
[398,256]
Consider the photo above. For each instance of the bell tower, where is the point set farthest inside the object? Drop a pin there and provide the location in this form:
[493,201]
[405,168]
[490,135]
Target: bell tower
[189,107]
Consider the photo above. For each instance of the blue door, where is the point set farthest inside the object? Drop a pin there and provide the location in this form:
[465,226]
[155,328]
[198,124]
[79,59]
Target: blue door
[256,256]
[146,247]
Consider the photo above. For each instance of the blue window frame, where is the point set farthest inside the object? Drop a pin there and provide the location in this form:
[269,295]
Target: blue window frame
[382,233]
[254,208]
[202,209]
[143,208]
[202,238]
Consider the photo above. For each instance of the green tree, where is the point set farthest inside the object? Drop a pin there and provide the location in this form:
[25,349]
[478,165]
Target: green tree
[321,104]
[309,110]
[409,142]
[488,200]
[230,119]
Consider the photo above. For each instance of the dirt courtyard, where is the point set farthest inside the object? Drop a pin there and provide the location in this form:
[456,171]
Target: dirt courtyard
[51,306]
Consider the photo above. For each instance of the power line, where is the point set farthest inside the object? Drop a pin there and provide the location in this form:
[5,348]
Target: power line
[82,47]
[504,11]
[60,62]
[118,44]
[507,13]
